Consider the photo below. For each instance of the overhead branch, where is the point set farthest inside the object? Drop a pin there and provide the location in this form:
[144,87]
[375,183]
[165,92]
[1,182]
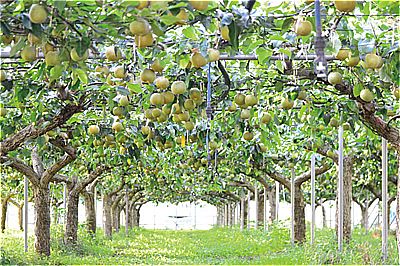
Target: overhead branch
[227,81]
[41,127]
[250,5]
[237,183]
[306,176]
[21,167]
[101,169]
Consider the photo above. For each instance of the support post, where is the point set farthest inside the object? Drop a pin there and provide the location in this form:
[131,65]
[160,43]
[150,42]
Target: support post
[195,221]
[277,200]
[312,198]
[384,200]
[256,200]
[265,210]
[292,188]
[248,208]
[64,204]
[340,196]
[25,214]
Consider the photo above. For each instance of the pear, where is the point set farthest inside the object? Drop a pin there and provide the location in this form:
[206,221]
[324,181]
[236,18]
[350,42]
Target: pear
[146,130]
[140,27]
[3,111]
[94,130]
[353,61]
[178,87]
[161,82]
[117,126]
[195,94]
[189,125]
[183,16]
[28,54]
[250,100]
[75,57]
[118,111]
[52,58]
[303,27]
[213,55]
[143,41]
[245,114]
[119,72]
[248,135]
[197,59]
[232,107]
[156,66]
[302,95]
[169,97]
[373,61]
[189,104]
[33,39]
[148,76]
[124,100]
[225,33]
[113,53]
[157,99]
[266,118]
[3,75]
[37,14]
[335,78]
[287,103]
[240,99]
[199,5]
[142,4]
[366,95]
[343,54]
[345,5]
[396,93]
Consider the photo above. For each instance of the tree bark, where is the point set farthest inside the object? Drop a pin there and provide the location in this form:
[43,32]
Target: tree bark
[41,197]
[71,227]
[272,203]
[347,198]
[21,216]
[398,207]
[364,216]
[116,211]
[324,224]
[4,207]
[90,212]
[260,214]
[107,216]
[299,216]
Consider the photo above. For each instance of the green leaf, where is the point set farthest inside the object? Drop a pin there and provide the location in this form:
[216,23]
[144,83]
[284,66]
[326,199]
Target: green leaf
[263,55]
[81,75]
[190,33]
[60,4]
[135,88]
[357,88]
[18,46]
[56,72]
[156,29]
[169,20]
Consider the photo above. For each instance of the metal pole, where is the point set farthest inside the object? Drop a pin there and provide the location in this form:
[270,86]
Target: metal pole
[248,208]
[26,214]
[292,188]
[277,200]
[265,209]
[242,206]
[256,200]
[340,192]
[384,200]
[126,211]
[312,198]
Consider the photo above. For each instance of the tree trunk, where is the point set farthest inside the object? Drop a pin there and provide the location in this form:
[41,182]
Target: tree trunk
[398,207]
[4,207]
[42,219]
[116,213]
[71,229]
[324,224]
[138,215]
[246,203]
[260,213]
[364,216]
[272,203]
[219,216]
[90,212]
[20,216]
[55,213]
[299,216]
[107,216]
[347,198]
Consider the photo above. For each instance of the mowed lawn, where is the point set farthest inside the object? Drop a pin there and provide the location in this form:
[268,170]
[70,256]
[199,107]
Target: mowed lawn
[216,246]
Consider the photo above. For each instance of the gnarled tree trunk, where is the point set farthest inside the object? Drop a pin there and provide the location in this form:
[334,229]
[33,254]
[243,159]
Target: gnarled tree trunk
[90,211]
[4,207]
[324,224]
[347,198]
[272,203]
[260,213]
[107,225]
[41,197]
[299,216]
[398,207]
[71,229]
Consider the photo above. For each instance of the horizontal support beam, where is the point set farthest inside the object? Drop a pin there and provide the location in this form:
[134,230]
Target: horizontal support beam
[310,57]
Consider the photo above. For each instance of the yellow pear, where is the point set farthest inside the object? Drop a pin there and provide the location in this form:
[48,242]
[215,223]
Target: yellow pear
[113,53]
[52,58]
[139,27]
[197,59]
[37,14]
[28,54]
[143,41]
[148,76]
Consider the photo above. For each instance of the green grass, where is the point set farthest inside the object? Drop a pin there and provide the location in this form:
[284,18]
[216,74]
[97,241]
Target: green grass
[216,246]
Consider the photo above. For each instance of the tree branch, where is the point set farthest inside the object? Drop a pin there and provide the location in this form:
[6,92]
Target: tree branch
[21,167]
[306,176]
[40,127]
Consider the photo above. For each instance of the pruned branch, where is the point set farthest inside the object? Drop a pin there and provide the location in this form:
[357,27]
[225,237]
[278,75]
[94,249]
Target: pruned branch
[306,176]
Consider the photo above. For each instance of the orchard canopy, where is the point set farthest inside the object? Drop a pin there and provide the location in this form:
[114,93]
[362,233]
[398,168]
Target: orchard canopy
[188,100]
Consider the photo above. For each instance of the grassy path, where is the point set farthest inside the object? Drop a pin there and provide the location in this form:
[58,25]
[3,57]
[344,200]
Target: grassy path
[216,246]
